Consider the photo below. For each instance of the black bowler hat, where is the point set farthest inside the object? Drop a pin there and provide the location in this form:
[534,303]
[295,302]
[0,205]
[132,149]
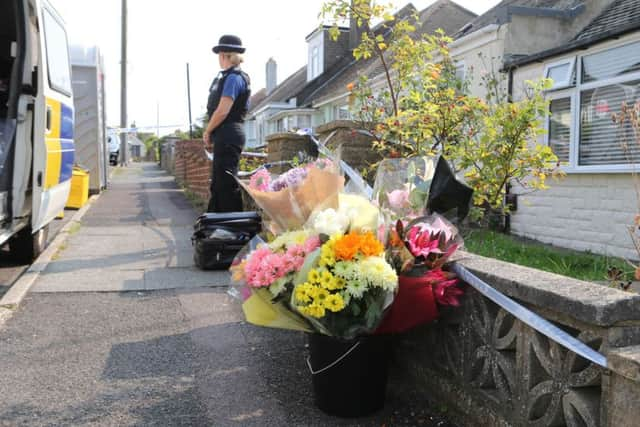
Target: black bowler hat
[229,43]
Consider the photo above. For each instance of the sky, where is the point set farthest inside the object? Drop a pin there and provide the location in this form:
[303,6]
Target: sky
[164,36]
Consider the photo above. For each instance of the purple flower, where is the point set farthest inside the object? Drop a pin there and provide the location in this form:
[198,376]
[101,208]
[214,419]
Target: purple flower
[290,178]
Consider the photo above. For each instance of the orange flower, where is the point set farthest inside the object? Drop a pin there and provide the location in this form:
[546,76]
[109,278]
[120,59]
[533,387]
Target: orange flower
[347,246]
[370,246]
[395,240]
[435,74]
[350,87]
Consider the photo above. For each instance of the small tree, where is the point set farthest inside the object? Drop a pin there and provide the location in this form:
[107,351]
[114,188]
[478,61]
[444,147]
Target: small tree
[420,107]
[504,151]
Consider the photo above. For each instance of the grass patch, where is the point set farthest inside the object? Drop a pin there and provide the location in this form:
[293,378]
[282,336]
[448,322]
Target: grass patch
[74,228]
[579,265]
[58,253]
[198,203]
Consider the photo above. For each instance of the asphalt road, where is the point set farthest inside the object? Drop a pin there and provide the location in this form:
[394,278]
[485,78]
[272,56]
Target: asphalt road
[164,358]
[10,271]
[120,329]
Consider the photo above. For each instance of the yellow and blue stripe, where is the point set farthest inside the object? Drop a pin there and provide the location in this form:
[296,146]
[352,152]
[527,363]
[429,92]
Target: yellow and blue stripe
[60,146]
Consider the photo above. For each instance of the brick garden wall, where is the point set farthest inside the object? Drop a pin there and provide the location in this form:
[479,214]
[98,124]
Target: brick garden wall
[192,168]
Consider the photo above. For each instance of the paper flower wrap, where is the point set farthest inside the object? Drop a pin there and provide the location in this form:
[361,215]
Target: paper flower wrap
[290,204]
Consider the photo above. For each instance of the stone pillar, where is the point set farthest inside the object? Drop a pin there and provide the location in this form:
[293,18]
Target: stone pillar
[356,148]
[623,394]
[287,146]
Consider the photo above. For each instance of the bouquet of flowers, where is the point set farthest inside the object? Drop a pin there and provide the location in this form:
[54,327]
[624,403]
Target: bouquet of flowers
[419,252]
[344,288]
[328,276]
[417,245]
[402,186]
[290,198]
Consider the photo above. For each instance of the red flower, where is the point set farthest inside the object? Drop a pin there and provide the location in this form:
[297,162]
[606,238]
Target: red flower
[447,293]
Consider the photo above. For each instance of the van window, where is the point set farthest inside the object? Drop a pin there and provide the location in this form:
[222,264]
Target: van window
[57,54]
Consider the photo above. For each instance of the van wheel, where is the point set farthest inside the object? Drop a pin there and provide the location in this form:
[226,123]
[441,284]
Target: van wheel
[26,246]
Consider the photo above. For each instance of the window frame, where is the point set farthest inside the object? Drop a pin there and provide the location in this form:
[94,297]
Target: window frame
[315,62]
[575,93]
[562,84]
[54,86]
[562,94]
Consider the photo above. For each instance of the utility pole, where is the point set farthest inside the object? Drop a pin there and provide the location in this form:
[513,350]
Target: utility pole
[189,101]
[123,88]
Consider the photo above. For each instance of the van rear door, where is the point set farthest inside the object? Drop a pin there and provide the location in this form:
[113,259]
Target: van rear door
[53,154]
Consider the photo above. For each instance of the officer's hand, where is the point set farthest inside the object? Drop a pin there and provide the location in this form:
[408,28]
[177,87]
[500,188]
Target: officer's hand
[206,139]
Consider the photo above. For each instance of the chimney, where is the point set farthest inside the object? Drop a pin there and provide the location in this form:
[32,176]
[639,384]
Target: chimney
[355,32]
[272,78]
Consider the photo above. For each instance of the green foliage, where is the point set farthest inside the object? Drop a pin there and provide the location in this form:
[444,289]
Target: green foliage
[421,108]
[579,265]
[248,164]
[504,151]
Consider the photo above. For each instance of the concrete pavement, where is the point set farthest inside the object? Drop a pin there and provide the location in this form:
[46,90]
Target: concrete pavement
[121,330]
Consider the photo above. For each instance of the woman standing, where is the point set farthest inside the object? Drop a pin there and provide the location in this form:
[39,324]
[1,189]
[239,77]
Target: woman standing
[226,110]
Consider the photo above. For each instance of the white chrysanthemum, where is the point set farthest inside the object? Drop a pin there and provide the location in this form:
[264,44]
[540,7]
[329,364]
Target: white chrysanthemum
[356,288]
[379,273]
[345,269]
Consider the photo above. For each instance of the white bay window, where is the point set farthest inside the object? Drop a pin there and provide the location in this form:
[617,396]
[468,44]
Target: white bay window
[580,127]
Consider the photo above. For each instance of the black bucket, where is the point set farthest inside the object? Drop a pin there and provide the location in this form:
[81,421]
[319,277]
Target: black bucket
[349,376]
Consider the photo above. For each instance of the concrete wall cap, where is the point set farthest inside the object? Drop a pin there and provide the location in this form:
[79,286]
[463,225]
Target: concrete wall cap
[286,136]
[336,124]
[584,301]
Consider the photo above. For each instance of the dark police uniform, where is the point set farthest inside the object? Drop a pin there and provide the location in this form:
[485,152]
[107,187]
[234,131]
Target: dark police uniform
[228,141]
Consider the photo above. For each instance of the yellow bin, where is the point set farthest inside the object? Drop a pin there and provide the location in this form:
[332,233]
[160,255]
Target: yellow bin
[79,189]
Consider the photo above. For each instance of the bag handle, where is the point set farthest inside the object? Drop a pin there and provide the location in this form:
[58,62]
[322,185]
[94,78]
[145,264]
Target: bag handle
[332,364]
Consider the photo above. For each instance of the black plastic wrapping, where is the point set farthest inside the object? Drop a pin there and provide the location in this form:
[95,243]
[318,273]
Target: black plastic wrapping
[448,196]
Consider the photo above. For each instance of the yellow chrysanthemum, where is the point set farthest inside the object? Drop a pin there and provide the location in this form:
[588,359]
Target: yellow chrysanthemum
[312,290]
[320,295]
[315,310]
[302,294]
[334,303]
[340,283]
[314,276]
[326,279]
[327,260]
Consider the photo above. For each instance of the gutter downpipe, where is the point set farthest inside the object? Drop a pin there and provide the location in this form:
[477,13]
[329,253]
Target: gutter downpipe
[507,217]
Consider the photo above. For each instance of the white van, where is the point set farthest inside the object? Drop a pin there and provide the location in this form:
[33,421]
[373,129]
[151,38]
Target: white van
[36,123]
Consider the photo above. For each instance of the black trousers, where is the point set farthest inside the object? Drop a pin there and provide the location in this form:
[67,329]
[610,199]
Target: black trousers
[226,194]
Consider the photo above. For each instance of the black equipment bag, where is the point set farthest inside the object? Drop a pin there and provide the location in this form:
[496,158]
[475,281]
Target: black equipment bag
[218,237]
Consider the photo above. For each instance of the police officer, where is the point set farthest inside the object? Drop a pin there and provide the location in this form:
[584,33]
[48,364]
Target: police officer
[226,109]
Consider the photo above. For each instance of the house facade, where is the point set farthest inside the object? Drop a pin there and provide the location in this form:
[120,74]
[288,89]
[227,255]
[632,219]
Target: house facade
[317,93]
[594,73]
[515,29]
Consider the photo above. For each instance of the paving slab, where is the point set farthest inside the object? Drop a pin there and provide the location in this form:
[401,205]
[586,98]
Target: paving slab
[116,280]
[191,277]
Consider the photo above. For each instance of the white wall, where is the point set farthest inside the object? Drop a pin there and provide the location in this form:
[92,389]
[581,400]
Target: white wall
[583,211]
[491,46]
